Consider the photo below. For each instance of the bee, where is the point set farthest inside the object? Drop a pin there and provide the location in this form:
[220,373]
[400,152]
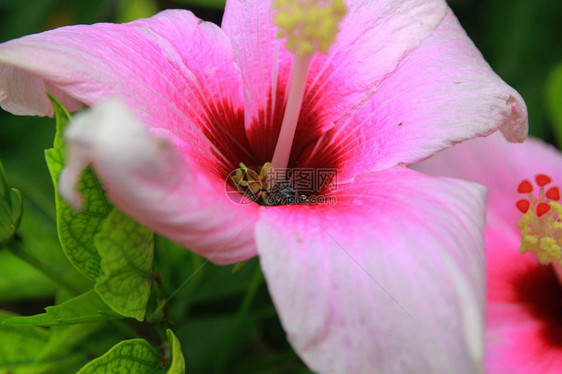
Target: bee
[256,186]
[283,193]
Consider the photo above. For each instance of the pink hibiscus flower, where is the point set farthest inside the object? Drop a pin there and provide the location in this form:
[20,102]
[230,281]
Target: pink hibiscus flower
[388,279]
[524,312]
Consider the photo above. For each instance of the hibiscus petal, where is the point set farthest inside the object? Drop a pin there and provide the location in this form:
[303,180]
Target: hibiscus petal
[523,326]
[173,70]
[374,37]
[389,279]
[442,93]
[500,166]
[149,179]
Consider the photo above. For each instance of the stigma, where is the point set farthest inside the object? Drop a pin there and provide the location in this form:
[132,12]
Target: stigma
[541,220]
[308,26]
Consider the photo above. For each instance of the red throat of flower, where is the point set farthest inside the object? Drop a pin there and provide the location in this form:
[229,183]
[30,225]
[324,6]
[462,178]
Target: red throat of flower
[541,224]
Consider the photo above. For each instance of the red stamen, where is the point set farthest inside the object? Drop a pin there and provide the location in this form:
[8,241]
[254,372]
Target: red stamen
[553,193]
[542,209]
[525,187]
[523,206]
[542,179]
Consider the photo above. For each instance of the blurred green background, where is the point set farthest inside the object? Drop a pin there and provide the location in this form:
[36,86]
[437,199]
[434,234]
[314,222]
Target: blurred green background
[225,319]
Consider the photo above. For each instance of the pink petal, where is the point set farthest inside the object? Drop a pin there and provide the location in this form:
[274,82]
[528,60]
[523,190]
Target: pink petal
[442,93]
[500,166]
[523,324]
[524,298]
[388,279]
[175,71]
[374,37]
[524,335]
[147,178]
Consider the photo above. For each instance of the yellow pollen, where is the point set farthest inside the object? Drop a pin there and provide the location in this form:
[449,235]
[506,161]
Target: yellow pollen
[309,25]
[543,235]
[249,181]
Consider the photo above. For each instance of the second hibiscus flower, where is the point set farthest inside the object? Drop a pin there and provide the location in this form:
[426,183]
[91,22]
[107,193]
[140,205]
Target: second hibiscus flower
[524,311]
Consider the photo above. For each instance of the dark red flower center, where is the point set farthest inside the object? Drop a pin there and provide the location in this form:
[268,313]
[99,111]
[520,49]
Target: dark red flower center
[254,146]
[540,292]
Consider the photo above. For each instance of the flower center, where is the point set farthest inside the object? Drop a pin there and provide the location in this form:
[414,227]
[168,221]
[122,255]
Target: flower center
[308,26]
[264,188]
[541,221]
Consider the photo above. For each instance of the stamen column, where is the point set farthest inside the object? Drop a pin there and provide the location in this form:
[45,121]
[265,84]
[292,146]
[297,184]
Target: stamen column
[301,64]
[309,26]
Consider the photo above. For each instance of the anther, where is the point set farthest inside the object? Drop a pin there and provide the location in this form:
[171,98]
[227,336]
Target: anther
[553,193]
[542,180]
[542,209]
[523,205]
[525,187]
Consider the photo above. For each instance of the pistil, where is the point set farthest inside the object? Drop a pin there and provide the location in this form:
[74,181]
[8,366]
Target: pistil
[309,26]
[301,64]
[541,221]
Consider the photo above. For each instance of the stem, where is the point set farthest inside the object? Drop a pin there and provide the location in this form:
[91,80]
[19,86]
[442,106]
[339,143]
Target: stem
[17,248]
[250,294]
[242,313]
[125,328]
[297,84]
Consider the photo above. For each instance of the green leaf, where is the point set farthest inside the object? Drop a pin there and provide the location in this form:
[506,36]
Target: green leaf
[17,207]
[178,362]
[137,356]
[62,116]
[131,10]
[554,101]
[101,242]
[213,4]
[19,344]
[4,190]
[130,356]
[11,206]
[19,347]
[127,250]
[77,229]
[85,308]
[22,144]
[174,262]
[39,235]
[238,266]
[66,338]
[19,280]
